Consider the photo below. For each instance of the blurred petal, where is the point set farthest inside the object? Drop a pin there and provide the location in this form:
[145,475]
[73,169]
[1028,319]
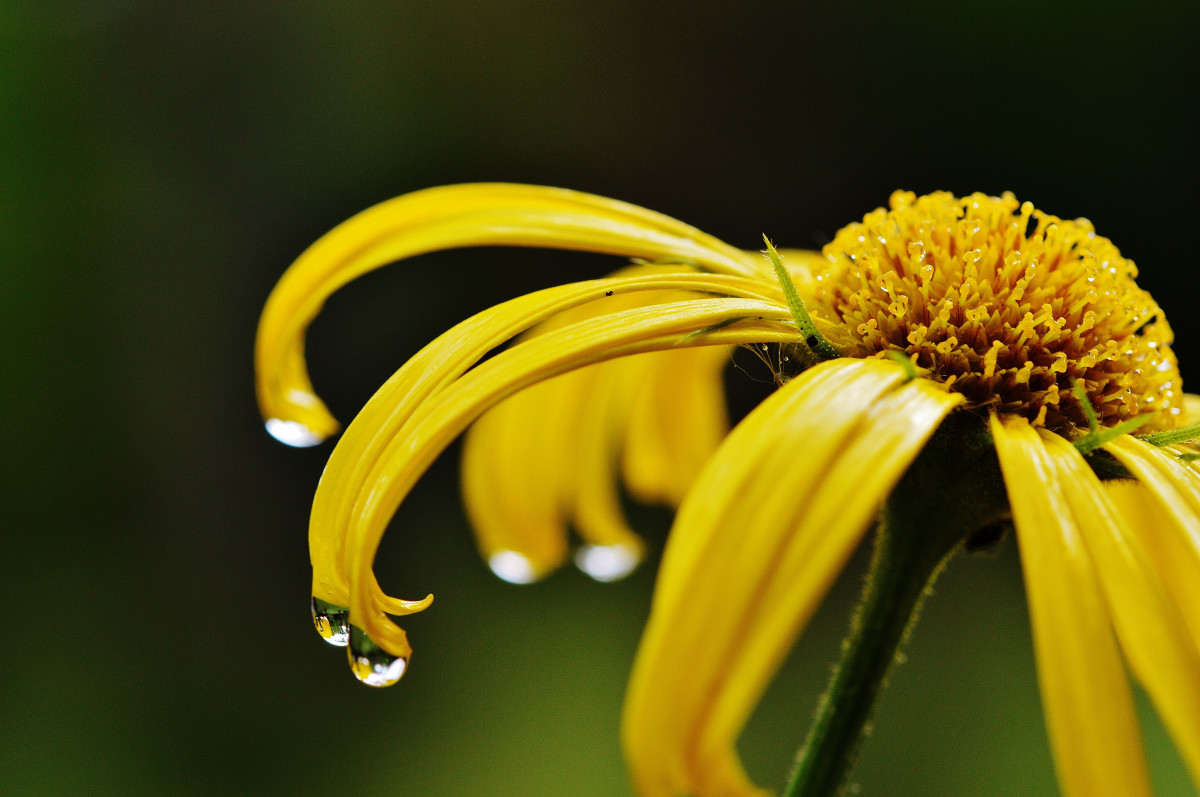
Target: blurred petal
[1191,409]
[765,531]
[443,218]
[678,420]
[1166,518]
[1090,716]
[513,482]
[546,457]
[1151,630]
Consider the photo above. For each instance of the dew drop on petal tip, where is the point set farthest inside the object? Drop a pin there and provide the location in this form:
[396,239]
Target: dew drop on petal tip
[332,622]
[607,562]
[292,433]
[513,567]
[370,663]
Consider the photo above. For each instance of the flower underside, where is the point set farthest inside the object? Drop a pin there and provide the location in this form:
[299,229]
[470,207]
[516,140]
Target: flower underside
[1006,305]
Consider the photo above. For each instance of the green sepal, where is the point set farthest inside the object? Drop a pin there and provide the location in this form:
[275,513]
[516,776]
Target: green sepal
[804,323]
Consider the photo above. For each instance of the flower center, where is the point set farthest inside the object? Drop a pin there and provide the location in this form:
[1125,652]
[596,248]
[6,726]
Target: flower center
[1005,304]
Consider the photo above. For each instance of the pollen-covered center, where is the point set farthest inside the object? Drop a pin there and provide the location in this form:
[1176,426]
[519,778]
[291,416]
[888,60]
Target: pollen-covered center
[1005,304]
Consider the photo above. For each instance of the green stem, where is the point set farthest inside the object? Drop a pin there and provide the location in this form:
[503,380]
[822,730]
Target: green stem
[901,572]
[953,490]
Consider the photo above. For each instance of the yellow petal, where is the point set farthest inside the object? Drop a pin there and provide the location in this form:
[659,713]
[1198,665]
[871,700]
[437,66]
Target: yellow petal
[1151,630]
[434,424]
[443,218]
[678,419]
[759,539]
[511,482]
[1168,523]
[545,458]
[1191,409]
[1090,716]
[432,369]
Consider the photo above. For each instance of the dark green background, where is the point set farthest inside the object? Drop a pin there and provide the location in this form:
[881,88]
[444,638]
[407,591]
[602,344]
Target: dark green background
[162,162]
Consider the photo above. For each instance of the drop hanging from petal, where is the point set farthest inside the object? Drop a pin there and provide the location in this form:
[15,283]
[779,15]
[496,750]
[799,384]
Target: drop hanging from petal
[513,567]
[607,562]
[332,622]
[370,663]
[293,433]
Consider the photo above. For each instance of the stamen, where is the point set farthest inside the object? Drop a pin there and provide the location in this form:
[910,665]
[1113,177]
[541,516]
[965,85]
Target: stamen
[1004,304]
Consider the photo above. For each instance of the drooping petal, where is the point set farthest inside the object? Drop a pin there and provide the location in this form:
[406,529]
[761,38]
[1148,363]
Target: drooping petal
[512,481]
[431,370]
[544,459]
[764,532]
[1191,409]
[678,419]
[601,417]
[1169,528]
[1149,627]
[557,465]
[434,424]
[443,218]
[1090,715]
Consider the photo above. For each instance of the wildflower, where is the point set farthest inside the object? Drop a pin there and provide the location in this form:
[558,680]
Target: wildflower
[945,365]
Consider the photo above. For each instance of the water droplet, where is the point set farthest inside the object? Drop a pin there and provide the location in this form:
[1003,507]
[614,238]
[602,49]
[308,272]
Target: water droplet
[292,433]
[332,622]
[607,562]
[370,663]
[513,567]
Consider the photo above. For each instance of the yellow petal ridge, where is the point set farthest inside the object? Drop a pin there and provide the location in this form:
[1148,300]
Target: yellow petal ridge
[1149,627]
[1167,518]
[1090,716]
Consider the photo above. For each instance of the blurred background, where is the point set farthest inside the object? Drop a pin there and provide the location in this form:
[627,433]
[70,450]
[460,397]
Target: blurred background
[161,163]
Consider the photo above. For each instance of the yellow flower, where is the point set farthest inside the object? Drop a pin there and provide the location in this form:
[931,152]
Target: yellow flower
[994,363]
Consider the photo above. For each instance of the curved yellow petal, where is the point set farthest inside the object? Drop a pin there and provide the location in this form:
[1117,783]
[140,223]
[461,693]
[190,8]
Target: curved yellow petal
[759,539]
[434,424]
[571,429]
[1090,715]
[512,481]
[443,218]
[1169,523]
[545,458]
[438,365]
[1149,627]
[678,418]
[601,415]
[1191,409]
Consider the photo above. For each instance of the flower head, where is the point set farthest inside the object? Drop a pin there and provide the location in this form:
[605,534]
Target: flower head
[1006,352]
[1004,304]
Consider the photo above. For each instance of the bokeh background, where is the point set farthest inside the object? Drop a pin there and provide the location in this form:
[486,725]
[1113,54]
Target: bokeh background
[162,162]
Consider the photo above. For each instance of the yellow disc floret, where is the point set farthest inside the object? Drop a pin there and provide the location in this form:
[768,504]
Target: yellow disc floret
[1004,304]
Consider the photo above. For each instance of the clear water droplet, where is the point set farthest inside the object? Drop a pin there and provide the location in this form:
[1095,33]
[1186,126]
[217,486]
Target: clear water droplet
[370,663]
[332,622]
[292,433]
[607,562]
[513,567]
